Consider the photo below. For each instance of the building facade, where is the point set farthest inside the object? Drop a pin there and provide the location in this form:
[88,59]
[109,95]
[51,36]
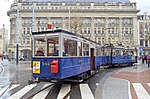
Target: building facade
[3,41]
[144,32]
[103,21]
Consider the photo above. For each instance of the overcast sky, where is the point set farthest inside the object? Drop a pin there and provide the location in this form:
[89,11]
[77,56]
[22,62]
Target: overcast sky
[5,6]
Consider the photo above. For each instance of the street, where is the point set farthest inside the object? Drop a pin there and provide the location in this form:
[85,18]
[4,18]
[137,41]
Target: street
[14,84]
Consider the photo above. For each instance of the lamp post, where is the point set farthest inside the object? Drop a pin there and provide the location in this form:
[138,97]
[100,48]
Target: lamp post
[17,45]
[69,21]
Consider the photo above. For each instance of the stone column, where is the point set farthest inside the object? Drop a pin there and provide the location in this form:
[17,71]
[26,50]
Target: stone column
[120,30]
[148,43]
[106,31]
[136,40]
[143,43]
[92,29]
[63,23]
[35,25]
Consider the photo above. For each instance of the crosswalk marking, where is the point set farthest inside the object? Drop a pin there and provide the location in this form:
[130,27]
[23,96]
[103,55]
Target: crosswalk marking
[148,84]
[97,84]
[43,93]
[22,92]
[140,91]
[65,88]
[3,90]
[13,87]
[86,92]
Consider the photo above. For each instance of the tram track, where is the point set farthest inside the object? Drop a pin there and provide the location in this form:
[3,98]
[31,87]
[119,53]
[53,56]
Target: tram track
[71,91]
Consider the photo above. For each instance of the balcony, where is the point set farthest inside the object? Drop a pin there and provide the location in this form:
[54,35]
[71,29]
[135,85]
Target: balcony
[27,24]
[42,24]
[26,35]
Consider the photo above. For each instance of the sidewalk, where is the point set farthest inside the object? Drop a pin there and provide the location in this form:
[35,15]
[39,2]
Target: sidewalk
[1,67]
[21,64]
[123,83]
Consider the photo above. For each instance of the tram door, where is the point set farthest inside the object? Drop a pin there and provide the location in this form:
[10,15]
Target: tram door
[92,59]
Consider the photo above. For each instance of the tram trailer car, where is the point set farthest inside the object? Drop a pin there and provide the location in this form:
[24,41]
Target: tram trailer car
[120,56]
[60,55]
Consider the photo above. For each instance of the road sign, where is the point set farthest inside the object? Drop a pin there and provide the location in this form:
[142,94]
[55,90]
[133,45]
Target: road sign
[141,49]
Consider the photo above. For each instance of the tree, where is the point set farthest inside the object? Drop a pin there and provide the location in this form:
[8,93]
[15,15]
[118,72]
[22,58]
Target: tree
[76,24]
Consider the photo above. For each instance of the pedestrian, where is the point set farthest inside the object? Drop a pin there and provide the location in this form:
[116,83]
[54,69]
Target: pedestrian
[143,58]
[148,60]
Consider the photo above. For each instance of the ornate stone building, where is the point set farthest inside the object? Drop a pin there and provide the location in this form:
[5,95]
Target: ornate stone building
[144,32]
[105,21]
[3,41]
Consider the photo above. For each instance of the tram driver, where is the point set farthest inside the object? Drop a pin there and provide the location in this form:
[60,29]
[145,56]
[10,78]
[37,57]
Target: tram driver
[40,52]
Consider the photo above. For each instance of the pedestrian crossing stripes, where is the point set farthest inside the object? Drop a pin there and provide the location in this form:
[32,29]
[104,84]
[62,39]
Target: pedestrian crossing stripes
[148,84]
[2,91]
[85,91]
[13,87]
[65,88]
[140,91]
[43,93]
[22,92]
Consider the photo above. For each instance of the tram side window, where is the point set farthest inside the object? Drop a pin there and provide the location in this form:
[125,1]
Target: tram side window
[98,51]
[85,49]
[80,48]
[39,47]
[52,46]
[70,47]
[119,52]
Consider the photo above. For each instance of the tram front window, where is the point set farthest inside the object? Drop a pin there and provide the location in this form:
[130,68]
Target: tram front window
[52,46]
[39,47]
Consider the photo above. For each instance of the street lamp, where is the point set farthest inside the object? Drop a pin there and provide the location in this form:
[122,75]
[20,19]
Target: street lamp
[17,45]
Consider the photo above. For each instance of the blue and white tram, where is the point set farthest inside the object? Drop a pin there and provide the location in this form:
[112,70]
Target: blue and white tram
[120,56]
[58,54]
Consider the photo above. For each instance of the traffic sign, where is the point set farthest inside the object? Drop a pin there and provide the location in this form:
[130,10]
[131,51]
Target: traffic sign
[141,49]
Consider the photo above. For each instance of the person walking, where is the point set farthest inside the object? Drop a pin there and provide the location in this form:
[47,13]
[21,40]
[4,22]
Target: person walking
[148,60]
[143,58]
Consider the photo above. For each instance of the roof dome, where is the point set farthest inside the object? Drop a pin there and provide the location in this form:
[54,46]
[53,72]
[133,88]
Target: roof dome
[126,1]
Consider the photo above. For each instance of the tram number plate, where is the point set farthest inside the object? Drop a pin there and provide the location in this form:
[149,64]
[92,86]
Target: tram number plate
[36,67]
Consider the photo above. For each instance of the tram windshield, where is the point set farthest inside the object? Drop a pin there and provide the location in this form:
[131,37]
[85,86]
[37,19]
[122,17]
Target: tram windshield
[39,47]
[52,47]
[48,47]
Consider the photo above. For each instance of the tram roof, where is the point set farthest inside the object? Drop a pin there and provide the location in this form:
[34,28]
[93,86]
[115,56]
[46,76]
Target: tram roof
[61,31]
[73,1]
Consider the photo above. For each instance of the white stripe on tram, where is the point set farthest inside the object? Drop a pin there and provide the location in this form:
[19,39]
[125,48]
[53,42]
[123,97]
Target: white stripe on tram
[148,84]
[65,88]
[86,92]
[22,92]
[43,93]
[140,91]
